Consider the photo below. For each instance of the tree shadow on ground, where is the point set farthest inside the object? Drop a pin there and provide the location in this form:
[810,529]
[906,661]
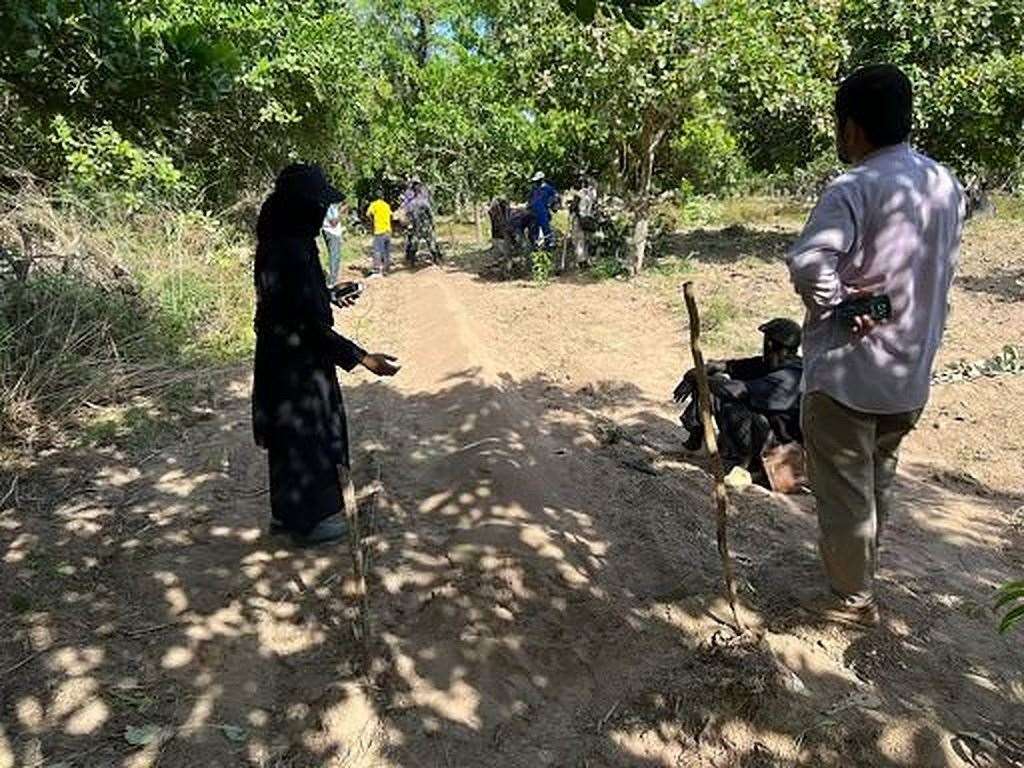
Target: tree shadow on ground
[537,600]
[1005,284]
[729,244]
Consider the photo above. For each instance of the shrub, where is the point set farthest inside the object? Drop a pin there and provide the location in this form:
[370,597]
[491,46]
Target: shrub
[97,308]
[541,266]
[101,162]
[608,268]
[706,157]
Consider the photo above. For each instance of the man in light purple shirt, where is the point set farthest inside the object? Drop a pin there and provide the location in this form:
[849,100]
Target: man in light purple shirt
[890,227]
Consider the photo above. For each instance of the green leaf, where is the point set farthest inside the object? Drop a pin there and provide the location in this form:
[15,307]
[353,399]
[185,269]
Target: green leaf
[141,735]
[234,733]
[1010,592]
[1014,617]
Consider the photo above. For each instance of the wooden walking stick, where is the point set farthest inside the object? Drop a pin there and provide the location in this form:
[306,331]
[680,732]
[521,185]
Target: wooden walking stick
[355,541]
[711,443]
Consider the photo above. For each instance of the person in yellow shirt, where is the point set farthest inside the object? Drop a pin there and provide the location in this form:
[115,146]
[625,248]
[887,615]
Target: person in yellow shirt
[380,213]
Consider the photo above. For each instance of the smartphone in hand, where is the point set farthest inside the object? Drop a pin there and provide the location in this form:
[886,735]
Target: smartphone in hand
[345,294]
[877,308]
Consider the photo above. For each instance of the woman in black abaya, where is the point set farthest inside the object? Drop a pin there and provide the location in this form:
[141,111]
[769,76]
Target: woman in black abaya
[297,410]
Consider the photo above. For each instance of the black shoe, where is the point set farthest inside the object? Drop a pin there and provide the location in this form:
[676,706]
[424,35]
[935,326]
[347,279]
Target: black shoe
[325,532]
[695,441]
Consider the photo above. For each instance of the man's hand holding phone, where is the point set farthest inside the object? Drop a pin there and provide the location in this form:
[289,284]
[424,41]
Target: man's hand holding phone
[864,311]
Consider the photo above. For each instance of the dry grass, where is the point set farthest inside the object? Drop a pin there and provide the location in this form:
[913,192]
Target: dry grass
[97,308]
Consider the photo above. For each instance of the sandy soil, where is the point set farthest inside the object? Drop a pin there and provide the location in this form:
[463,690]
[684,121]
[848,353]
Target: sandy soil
[545,584]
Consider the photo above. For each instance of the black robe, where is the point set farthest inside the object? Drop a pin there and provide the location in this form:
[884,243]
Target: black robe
[297,411]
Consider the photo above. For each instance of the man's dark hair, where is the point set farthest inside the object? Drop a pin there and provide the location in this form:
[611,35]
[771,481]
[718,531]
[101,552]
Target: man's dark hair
[880,99]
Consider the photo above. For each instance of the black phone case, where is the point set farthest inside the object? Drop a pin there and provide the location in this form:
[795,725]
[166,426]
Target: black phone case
[878,308]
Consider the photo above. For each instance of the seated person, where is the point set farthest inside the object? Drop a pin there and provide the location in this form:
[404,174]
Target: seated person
[756,401]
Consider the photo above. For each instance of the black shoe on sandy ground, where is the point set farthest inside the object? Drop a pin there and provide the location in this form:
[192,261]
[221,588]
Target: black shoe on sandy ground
[835,610]
[326,532]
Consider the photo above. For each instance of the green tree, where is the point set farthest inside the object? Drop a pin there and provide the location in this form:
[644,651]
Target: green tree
[966,60]
[624,93]
[103,62]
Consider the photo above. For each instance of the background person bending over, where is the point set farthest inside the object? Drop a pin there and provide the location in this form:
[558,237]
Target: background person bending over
[297,412]
[500,213]
[890,227]
[755,401]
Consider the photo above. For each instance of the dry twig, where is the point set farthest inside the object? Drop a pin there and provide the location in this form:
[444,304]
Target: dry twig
[721,498]
[22,663]
[351,505]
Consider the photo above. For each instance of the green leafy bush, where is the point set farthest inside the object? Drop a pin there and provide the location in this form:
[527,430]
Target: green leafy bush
[1011,595]
[100,161]
[705,156]
[607,268]
[541,266]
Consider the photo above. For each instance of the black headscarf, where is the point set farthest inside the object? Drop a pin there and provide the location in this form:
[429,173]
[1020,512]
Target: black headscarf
[283,216]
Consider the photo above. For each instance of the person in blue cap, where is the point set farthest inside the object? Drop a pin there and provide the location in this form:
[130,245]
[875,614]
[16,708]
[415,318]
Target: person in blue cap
[543,201]
[298,415]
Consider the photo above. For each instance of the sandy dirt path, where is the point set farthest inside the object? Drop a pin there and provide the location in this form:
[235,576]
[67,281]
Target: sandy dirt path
[544,578]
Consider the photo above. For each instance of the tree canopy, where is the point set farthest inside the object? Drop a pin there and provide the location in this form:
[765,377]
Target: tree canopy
[208,98]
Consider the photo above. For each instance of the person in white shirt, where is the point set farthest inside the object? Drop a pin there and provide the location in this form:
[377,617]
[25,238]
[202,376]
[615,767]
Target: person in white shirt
[332,239]
[889,228]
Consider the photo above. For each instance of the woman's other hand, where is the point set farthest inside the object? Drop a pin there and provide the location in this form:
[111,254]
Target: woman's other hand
[380,364]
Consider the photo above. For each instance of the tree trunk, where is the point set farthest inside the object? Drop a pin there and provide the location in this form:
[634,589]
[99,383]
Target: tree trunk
[640,229]
[479,224]
[422,38]
[642,221]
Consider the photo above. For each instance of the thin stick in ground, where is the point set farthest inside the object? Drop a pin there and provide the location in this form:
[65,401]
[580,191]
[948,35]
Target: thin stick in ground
[355,540]
[721,498]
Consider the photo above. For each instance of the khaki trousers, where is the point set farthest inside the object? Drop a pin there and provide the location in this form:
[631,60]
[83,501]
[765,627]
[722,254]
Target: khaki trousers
[851,463]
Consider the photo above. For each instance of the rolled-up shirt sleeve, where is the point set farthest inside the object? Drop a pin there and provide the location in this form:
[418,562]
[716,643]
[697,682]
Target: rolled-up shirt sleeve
[830,234]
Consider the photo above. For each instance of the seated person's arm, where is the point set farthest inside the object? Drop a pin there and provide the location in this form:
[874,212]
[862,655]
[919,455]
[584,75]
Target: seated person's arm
[777,391]
[688,383]
[728,389]
[746,368]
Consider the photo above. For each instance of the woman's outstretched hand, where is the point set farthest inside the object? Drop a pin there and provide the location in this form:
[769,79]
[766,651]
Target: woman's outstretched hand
[382,365]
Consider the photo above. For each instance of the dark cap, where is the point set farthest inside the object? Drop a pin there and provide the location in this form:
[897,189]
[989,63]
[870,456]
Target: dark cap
[783,331]
[307,182]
